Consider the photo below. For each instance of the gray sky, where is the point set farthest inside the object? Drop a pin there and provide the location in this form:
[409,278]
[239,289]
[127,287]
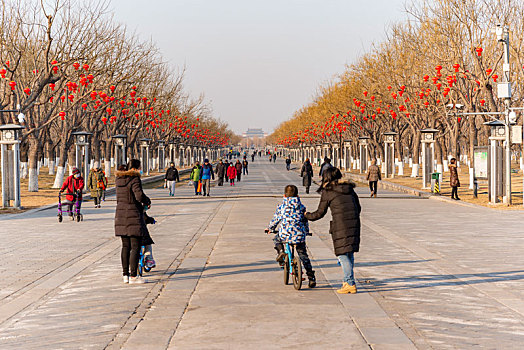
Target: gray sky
[258,61]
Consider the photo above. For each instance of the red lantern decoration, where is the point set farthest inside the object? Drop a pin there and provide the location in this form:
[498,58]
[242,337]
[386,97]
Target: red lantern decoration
[27,91]
[112,88]
[85,66]
[456,66]
[62,115]
[76,65]
[479,51]
[3,72]
[495,77]
[84,106]
[482,102]
[55,69]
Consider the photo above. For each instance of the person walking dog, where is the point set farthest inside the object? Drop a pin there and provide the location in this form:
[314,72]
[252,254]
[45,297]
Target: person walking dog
[340,197]
[373,176]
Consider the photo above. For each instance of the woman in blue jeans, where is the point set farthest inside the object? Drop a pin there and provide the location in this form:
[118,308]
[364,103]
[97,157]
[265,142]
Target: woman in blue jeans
[339,195]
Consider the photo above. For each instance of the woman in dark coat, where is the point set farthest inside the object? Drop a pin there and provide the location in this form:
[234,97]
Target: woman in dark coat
[454,181]
[130,222]
[238,167]
[341,198]
[307,174]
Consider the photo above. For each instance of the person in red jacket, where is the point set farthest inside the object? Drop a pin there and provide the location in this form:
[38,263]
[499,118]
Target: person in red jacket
[74,185]
[232,174]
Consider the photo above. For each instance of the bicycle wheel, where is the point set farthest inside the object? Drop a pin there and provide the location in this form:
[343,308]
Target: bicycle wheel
[286,269]
[297,273]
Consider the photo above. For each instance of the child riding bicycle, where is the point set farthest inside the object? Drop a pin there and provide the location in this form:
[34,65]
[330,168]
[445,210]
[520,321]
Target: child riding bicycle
[293,229]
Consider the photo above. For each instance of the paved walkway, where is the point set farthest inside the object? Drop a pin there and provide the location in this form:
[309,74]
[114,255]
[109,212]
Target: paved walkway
[432,275]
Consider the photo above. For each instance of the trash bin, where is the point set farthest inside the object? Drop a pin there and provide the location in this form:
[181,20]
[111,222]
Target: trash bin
[435,183]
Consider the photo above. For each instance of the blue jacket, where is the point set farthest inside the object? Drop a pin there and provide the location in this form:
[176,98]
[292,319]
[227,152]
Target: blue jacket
[207,172]
[293,225]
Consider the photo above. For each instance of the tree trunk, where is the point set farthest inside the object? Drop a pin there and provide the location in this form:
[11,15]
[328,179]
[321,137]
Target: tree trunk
[33,164]
[60,171]
[107,158]
[416,153]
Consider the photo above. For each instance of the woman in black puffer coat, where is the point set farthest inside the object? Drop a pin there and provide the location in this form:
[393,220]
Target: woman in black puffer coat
[130,221]
[339,195]
[307,174]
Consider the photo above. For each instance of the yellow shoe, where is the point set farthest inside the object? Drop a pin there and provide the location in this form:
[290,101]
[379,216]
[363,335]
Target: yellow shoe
[347,289]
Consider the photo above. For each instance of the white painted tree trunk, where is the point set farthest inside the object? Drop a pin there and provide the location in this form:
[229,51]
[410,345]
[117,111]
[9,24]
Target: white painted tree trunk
[59,177]
[51,167]
[23,170]
[414,170]
[400,168]
[446,165]
[471,179]
[33,180]
[411,162]
[38,167]
[46,162]
[107,168]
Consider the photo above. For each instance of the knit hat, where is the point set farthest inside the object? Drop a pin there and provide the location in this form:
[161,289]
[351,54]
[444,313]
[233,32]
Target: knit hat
[76,171]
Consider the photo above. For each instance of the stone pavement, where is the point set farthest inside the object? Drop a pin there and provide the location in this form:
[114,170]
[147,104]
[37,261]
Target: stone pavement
[432,275]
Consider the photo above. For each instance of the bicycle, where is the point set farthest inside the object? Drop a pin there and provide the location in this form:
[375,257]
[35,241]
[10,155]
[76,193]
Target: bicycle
[291,265]
[142,266]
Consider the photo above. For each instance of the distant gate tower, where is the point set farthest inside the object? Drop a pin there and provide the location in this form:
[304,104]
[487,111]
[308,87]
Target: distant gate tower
[253,137]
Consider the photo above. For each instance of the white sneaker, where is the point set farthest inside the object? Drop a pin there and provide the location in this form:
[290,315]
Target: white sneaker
[126,279]
[137,280]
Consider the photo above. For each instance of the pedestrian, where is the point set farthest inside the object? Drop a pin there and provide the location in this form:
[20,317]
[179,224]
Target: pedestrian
[307,174]
[339,195]
[195,177]
[238,167]
[206,175]
[373,176]
[293,229]
[171,178]
[244,167]
[454,181]
[231,174]
[74,185]
[130,224]
[288,163]
[324,166]
[221,172]
[274,157]
[227,164]
[253,157]
[97,183]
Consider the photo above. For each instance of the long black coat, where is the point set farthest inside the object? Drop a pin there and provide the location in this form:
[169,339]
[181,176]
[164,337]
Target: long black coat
[306,173]
[344,228]
[130,202]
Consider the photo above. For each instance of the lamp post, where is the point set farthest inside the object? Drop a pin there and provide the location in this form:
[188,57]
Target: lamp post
[363,148]
[144,154]
[428,155]
[120,142]
[161,155]
[389,153]
[82,147]
[10,158]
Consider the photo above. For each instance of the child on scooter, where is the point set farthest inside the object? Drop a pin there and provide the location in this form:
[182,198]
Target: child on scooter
[293,229]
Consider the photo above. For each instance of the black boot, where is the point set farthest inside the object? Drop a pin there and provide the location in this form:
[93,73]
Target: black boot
[281,254]
[312,279]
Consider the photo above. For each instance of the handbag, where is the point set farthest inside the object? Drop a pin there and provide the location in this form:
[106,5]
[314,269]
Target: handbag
[199,189]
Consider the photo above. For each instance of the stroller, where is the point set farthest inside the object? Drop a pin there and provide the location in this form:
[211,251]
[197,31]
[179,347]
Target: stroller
[75,211]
